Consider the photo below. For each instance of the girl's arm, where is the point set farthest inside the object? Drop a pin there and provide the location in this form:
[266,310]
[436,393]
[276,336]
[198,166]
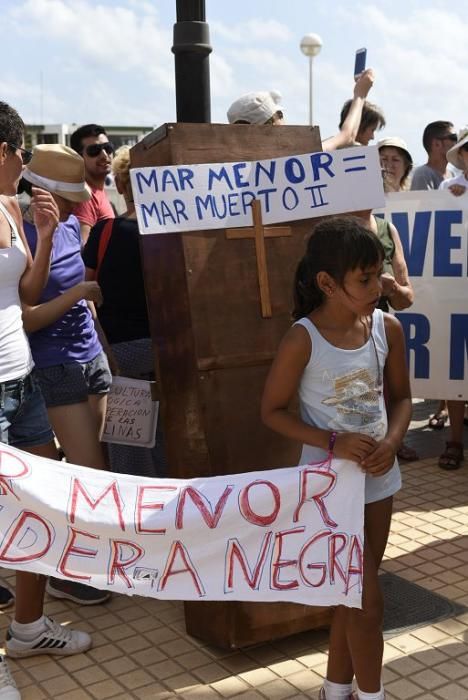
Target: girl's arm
[42,315]
[280,388]
[46,219]
[398,400]
[349,131]
[398,289]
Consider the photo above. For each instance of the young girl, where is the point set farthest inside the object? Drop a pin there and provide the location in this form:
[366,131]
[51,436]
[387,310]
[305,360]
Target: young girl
[337,355]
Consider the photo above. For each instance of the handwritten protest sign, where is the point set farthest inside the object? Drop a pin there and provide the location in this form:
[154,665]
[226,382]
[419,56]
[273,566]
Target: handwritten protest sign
[132,415]
[433,228]
[293,534]
[219,195]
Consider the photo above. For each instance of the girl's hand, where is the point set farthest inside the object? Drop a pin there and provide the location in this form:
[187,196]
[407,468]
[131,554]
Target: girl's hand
[90,291]
[354,446]
[45,213]
[381,460]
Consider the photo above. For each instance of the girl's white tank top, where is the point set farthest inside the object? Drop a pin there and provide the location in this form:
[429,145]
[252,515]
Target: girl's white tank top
[342,390]
[15,355]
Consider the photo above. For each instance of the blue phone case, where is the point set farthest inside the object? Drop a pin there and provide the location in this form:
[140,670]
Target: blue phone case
[360,61]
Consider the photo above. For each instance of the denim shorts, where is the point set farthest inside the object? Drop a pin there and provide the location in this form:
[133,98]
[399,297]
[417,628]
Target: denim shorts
[23,415]
[73,382]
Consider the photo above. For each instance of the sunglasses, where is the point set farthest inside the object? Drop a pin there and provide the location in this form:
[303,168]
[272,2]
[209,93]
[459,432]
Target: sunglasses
[464,147]
[95,149]
[25,155]
[449,137]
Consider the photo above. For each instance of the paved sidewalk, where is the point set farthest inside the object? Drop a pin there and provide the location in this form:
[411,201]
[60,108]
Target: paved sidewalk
[141,649]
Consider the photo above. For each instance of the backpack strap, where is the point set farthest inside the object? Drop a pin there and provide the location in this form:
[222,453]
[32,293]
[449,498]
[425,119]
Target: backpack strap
[103,243]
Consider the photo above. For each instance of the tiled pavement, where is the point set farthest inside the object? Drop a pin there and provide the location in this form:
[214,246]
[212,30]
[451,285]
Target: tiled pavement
[141,649]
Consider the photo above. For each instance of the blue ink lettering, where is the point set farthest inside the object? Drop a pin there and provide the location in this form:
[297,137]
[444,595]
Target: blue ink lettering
[458,345]
[294,170]
[415,252]
[417,342]
[444,242]
[293,200]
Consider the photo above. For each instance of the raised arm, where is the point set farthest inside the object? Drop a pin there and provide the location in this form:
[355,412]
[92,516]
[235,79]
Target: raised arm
[46,218]
[349,131]
[398,289]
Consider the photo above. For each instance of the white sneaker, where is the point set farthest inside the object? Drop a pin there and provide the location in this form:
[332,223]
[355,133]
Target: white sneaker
[55,639]
[8,689]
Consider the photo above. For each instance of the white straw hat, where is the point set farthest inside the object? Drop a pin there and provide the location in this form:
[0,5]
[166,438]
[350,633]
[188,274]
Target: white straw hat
[453,155]
[58,169]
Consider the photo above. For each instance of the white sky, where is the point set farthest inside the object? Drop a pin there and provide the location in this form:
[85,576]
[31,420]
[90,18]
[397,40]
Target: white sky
[109,61]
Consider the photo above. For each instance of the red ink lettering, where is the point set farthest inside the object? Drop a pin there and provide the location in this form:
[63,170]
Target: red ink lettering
[25,524]
[118,563]
[79,489]
[334,552]
[7,460]
[203,504]
[246,509]
[277,564]
[235,550]
[316,566]
[178,549]
[141,506]
[356,548]
[317,498]
[71,549]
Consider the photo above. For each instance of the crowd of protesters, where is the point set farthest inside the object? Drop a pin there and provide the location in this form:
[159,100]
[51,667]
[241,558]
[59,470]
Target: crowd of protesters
[67,323]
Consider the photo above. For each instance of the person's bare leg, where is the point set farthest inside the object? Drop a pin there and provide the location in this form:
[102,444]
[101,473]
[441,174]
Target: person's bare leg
[377,521]
[30,587]
[98,404]
[456,410]
[77,432]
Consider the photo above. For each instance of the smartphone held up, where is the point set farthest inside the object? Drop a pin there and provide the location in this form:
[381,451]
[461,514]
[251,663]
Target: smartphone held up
[360,62]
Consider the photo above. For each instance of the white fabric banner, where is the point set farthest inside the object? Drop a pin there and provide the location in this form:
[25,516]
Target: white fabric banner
[219,195]
[293,534]
[433,228]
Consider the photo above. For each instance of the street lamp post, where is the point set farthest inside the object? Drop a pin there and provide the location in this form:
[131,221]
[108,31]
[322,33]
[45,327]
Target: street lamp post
[310,46]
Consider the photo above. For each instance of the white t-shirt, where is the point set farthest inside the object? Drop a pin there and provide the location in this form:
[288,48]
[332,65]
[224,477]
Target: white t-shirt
[458,180]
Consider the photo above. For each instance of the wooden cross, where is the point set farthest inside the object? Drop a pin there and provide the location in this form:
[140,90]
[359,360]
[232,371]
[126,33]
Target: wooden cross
[259,233]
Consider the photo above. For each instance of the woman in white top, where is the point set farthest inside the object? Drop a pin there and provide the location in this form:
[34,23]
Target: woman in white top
[23,417]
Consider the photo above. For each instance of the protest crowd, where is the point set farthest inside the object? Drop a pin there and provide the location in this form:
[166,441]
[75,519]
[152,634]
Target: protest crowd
[73,314]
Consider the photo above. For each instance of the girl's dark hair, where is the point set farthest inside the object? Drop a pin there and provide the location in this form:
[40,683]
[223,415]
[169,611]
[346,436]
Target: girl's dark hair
[11,125]
[337,246]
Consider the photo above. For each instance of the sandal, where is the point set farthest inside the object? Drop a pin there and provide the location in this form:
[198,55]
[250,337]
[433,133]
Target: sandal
[407,454]
[453,456]
[438,420]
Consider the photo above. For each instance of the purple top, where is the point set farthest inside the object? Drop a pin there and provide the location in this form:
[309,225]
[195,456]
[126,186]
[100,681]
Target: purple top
[73,337]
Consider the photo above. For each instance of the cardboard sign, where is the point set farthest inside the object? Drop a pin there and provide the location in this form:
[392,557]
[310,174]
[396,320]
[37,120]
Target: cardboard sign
[293,534]
[219,195]
[132,415]
[433,228]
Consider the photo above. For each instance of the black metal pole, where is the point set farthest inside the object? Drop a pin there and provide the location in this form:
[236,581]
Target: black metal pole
[192,63]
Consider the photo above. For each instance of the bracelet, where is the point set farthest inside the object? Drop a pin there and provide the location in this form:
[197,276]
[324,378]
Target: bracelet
[331,442]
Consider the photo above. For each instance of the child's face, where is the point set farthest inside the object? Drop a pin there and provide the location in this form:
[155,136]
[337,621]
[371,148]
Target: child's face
[361,289]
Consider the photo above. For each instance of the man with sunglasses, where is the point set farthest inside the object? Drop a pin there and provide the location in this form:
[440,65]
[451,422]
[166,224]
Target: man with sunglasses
[438,138]
[92,143]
